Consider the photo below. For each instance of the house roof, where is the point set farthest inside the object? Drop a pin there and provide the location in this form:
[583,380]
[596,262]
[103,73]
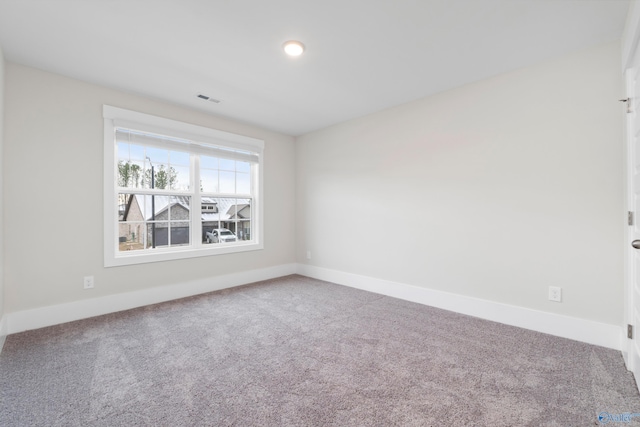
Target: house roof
[239,210]
[225,206]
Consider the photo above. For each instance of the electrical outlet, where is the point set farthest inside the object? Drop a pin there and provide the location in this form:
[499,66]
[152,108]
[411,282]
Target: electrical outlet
[308,254]
[555,294]
[88,282]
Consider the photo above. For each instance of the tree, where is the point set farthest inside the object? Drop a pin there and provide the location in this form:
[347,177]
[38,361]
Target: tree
[164,178]
[128,174]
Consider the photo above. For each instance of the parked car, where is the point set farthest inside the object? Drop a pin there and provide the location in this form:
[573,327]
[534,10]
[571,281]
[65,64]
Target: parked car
[219,235]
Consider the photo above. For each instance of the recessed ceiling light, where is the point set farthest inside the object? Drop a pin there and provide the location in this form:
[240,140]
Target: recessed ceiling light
[293,48]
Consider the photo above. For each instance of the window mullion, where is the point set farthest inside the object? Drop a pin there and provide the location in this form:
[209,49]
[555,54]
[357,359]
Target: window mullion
[196,203]
[149,191]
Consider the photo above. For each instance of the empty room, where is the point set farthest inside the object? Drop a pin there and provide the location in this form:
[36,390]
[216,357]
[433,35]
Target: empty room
[297,213]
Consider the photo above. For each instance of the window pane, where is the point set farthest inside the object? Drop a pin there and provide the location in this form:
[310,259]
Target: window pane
[130,174]
[130,236]
[157,208]
[243,183]
[157,234]
[131,207]
[180,233]
[136,152]
[208,162]
[227,182]
[123,151]
[130,152]
[163,176]
[130,222]
[180,181]
[180,207]
[244,167]
[244,232]
[227,165]
[179,158]
[157,155]
[243,209]
[230,221]
[209,181]
[231,227]
[210,217]
[243,219]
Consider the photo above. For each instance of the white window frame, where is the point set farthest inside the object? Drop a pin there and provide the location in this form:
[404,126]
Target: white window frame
[203,137]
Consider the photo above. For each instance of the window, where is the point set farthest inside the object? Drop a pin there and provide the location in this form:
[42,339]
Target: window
[175,190]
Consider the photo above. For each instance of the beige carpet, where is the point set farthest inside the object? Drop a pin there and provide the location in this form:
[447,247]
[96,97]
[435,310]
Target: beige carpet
[300,352]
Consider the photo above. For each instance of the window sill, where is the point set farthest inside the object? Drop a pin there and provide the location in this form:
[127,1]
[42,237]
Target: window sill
[122,259]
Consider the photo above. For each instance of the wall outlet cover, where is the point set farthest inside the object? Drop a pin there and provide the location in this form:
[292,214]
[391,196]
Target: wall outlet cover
[88,282]
[555,293]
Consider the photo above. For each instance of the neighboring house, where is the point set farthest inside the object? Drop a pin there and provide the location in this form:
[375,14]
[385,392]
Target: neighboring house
[241,214]
[174,216]
[227,213]
[216,213]
[131,226]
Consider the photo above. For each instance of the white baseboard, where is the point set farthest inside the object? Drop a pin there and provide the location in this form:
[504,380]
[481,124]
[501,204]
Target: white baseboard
[62,313]
[587,331]
[3,331]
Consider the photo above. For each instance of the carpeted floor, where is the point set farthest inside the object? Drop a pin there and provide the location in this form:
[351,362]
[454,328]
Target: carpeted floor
[300,352]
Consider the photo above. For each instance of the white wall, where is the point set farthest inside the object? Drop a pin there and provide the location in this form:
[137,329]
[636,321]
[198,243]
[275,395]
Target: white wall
[495,190]
[53,194]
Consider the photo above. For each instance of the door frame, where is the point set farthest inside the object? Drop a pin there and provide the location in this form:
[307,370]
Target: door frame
[626,344]
[630,46]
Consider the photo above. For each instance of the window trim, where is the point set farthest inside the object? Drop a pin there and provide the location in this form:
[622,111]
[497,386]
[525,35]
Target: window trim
[119,117]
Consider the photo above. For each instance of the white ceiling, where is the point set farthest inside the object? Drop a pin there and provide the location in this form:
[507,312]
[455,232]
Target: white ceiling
[362,55]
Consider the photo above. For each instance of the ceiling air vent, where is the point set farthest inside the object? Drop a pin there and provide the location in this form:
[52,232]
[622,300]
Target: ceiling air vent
[208,98]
